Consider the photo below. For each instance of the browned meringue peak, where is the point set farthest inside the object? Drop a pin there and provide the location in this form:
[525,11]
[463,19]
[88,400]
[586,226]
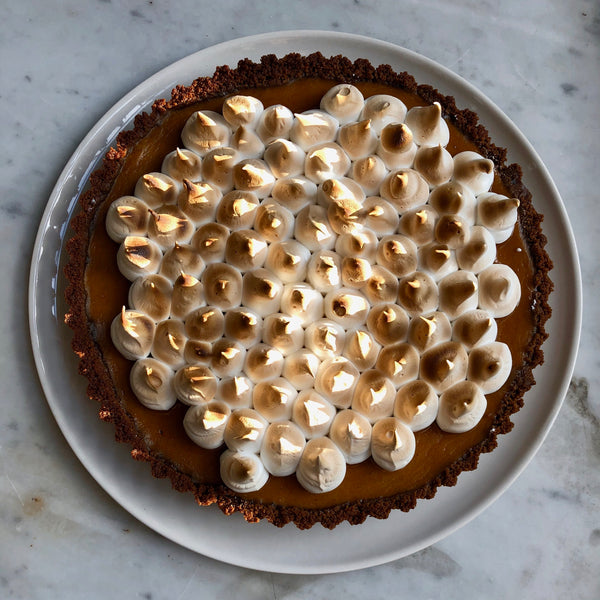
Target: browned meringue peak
[397,254]
[382,285]
[182,164]
[325,338]
[313,414]
[169,343]
[344,101]
[284,158]
[209,242]
[452,230]
[138,256]
[282,448]
[205,324]
[274,122]
[222,285]
[151,295]
[245,430]
[453,198]
[294,193]
[156,189]
[300,369]
[343,191]
[435,164]
[274,222]
[132,333]
[380,216]
[246,249]
[346,306]
[312,228]
[361,349]
[242,472]
[326,161]
[351,433]
[237,209]
[369,172]
[127,215]
[288,260]
[239,110]
[313,127]
[344,215]
[345,196]
[383,109]
[373,396]
[392,444]
[437,259]
[235,391]
[168,225]
[273,399]
[324,271]
[428,125]
[152,383]
[217,167]
[359,244]
[204,131]
[244,326]
[489,366]
[181,258]
[336,379]
[416,405]
[253,175]
[205,423]
[396,146]
[498,214]
[302,301]
[283,332]
[188,294]
[322,467]
[356,272]
[263,362]
[228,358]
[458,293]
[199,201]
[197,352]
[418,293]
[261,291]
[195,384]
[399,362]
[474,328]
[473,171]
[444,365]
[358,139]
[388,323]
[419,224]
[461,407]
[247,143]
[405,189]
[499,290]
[479,252]
[426,331]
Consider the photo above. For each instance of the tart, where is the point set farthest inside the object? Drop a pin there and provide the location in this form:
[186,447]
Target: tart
[308,290]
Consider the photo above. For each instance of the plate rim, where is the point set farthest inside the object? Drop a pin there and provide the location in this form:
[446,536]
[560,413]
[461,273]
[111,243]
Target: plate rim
[281,38]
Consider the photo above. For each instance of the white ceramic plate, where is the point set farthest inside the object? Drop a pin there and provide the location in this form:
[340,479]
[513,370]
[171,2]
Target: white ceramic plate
[263,546]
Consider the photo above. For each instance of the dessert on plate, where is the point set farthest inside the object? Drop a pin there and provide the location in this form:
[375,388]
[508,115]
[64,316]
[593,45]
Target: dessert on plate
[308,290]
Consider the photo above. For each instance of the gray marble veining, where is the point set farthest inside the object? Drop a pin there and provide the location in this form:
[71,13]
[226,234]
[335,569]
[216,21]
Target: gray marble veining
[63,64]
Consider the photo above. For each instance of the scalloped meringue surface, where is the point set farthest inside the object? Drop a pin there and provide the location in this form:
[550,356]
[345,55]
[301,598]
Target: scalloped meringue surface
[316,286]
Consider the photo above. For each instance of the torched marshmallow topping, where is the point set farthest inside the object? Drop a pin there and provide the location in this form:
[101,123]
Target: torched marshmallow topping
[316,287]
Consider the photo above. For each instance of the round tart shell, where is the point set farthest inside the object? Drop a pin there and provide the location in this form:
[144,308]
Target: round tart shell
[367,490]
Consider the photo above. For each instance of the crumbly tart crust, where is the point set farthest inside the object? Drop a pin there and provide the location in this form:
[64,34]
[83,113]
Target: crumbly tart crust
[273,71]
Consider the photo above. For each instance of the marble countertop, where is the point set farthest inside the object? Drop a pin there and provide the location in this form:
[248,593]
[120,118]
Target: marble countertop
[63,65]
